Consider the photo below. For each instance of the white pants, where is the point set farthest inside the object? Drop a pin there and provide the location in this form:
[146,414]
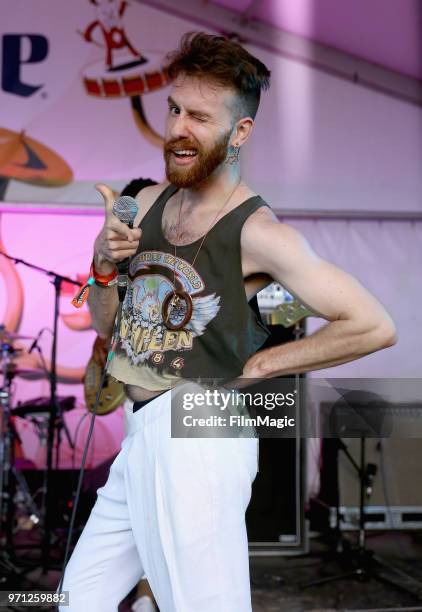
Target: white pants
[174,510]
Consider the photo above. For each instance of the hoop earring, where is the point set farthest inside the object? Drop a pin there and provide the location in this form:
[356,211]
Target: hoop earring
[233,155]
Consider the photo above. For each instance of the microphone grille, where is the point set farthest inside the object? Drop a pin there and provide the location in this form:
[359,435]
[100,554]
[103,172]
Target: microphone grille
[125,208]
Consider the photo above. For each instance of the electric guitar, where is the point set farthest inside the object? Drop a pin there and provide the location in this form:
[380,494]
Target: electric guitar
[112,394]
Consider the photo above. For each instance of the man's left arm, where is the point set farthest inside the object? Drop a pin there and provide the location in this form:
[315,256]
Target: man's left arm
[357,323]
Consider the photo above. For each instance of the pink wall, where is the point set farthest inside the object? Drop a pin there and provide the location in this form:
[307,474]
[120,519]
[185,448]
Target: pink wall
[62,244]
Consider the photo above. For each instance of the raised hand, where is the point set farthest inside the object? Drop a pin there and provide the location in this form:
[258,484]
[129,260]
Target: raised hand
[116,241]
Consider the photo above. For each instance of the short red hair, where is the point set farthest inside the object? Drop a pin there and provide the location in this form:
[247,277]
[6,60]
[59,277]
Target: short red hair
[225,62]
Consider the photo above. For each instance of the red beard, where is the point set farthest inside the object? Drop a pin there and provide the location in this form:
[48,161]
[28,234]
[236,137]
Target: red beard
[202,165]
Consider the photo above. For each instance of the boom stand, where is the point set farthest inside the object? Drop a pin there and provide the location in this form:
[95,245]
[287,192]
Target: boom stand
[56,420]
[365,563]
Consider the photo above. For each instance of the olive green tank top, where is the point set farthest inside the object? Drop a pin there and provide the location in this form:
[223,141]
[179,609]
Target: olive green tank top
[224,329]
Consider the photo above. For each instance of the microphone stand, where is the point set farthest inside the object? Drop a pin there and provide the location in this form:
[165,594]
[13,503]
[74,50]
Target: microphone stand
[56,420]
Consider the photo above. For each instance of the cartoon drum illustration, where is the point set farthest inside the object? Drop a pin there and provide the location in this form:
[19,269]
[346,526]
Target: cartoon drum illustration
[125,72]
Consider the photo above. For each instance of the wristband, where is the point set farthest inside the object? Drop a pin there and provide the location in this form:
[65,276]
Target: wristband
[103,280]
[100,280]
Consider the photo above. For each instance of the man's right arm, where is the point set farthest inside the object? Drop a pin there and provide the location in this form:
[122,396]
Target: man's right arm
[115,242]
[103,302]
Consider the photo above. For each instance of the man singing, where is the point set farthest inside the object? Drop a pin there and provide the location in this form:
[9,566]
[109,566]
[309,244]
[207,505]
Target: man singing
[202,245]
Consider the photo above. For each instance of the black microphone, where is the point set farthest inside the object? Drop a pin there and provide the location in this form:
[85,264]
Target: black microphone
[125,209]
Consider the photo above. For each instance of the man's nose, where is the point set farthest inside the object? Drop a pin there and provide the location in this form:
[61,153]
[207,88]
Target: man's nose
[178,128]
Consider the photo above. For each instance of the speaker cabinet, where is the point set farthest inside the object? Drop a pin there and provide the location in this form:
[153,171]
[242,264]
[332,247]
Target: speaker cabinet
[275,518]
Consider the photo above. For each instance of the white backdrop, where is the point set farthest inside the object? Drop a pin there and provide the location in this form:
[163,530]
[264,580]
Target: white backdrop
[319,142]
[386,257]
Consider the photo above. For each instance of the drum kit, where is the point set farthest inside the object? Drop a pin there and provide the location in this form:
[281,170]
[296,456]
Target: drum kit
[49,416]
[18,510]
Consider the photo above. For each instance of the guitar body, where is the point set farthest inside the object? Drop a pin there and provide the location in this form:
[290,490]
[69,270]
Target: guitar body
[112,394]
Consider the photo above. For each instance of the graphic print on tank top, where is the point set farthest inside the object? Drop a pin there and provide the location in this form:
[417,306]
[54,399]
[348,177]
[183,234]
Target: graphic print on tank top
[144,336]
[224,330]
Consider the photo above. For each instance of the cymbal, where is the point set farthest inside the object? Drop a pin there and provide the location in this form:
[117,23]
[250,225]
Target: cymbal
[27,371]
[7,335]
[42,405]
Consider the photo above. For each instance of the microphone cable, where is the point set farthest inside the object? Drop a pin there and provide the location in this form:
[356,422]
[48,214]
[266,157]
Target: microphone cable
[125,208]
[85,453]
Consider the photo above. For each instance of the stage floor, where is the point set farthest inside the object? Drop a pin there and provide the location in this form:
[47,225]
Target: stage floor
[276,581]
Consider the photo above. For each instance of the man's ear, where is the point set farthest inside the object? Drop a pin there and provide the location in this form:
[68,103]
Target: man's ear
[242,131]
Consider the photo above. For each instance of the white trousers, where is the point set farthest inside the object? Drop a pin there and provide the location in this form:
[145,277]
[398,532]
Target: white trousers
[172,509]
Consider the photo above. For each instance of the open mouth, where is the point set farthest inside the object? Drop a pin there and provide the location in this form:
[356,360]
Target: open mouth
[185,155]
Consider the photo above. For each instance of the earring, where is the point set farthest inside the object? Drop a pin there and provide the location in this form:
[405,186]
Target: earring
[233,155]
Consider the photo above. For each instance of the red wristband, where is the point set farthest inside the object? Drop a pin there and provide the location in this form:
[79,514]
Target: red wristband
[103,281]
[107,281]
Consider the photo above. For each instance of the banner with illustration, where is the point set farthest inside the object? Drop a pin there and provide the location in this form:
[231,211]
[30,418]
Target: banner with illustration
[83,98]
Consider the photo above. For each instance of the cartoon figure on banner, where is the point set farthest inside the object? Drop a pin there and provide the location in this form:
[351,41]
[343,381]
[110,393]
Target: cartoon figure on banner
[109,21]
[124,72]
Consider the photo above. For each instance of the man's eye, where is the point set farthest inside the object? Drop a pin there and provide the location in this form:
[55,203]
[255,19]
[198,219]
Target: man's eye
[173,110]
